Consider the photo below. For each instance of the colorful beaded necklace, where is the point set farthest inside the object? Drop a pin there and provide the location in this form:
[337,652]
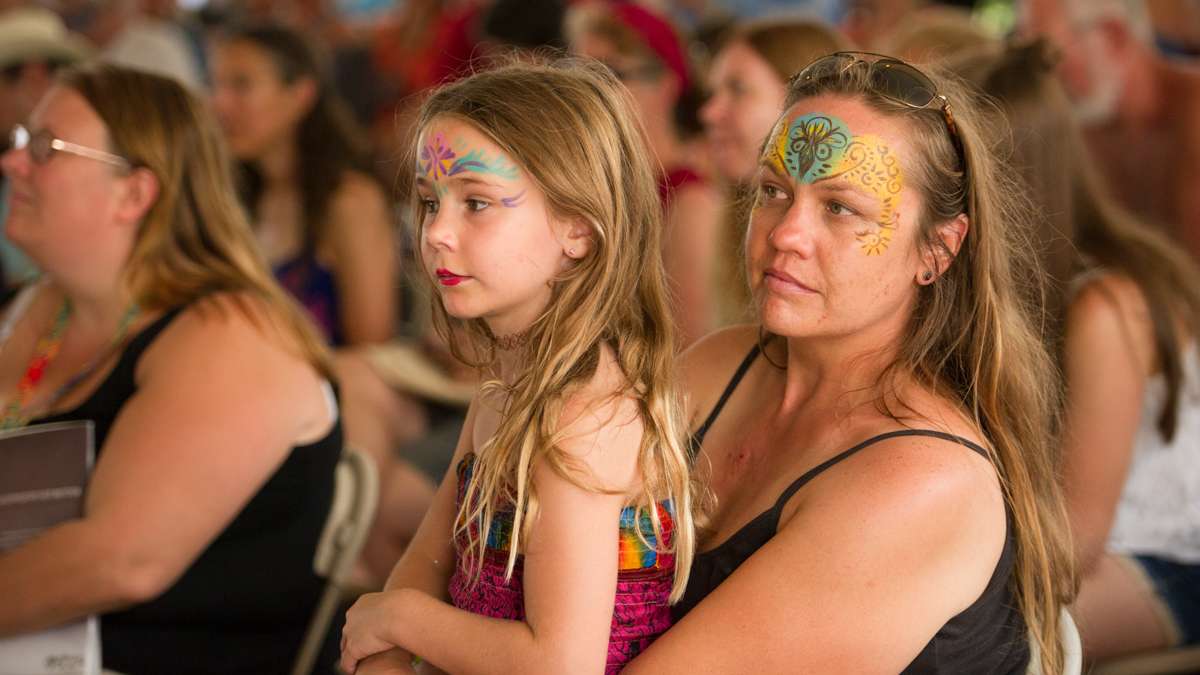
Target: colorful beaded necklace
[47,348]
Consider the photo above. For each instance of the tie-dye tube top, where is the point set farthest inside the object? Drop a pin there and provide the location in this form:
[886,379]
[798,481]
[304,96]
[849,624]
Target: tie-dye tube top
[644,578]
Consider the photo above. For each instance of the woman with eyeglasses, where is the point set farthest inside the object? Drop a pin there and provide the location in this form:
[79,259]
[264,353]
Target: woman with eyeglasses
[879,444]
[1126,303]
[644,51]
[216,428]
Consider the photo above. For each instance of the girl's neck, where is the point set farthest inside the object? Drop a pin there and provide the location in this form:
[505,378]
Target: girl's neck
[512,355]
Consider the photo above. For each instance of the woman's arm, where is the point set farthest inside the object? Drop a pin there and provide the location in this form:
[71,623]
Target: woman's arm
[569,579]
[882,550]
[186,453]
[1108,352]
[689,254]
[361,237]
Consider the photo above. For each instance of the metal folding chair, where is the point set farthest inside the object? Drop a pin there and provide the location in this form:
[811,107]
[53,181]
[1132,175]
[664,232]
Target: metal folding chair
[355,496]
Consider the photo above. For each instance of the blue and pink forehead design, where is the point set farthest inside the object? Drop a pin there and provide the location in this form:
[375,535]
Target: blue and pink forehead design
[438,160]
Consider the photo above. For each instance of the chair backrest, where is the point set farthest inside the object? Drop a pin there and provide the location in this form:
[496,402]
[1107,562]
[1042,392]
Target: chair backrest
[1068,637]
[355,496]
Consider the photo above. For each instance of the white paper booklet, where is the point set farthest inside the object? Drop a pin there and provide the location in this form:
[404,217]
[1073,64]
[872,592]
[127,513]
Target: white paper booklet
[43,473]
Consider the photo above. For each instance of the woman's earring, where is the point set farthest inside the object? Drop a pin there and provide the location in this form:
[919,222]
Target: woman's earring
[928,276]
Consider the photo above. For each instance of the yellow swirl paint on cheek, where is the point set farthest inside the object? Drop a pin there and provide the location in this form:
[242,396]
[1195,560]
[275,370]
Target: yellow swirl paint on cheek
[871,165]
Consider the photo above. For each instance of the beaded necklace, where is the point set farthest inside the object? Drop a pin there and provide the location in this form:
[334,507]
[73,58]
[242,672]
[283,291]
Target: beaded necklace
[47,348]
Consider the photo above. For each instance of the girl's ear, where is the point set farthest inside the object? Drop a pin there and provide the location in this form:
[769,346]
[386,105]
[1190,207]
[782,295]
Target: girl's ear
[576,238]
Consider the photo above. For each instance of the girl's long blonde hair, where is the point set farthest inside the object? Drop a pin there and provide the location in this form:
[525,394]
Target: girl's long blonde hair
[975,335]
[195,240]
[569,124]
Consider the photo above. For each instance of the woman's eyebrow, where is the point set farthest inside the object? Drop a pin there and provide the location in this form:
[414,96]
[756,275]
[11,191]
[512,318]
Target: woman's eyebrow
[768,165]
[841,184]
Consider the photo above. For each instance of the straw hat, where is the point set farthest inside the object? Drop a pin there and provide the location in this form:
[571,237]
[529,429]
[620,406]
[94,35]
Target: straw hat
[405,366]
[31,33]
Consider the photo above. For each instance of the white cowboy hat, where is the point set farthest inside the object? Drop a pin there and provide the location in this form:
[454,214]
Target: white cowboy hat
[32,33]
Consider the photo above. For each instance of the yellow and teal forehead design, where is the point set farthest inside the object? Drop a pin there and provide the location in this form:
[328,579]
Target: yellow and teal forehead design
[812,147]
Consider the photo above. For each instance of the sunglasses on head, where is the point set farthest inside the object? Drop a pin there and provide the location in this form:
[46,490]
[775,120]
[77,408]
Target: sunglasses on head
[889,77]
[42,145]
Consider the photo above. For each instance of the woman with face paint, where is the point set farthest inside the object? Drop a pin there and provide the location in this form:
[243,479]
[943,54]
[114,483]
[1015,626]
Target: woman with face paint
[564,530]
[879,445]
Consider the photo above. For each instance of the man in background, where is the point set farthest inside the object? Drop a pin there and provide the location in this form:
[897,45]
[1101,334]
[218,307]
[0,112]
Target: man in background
[1140,111]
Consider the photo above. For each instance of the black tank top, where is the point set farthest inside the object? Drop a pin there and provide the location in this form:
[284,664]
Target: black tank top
[244,604]
[987,637]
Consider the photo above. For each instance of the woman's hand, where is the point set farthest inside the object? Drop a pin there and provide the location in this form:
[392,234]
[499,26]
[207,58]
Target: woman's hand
[367,627]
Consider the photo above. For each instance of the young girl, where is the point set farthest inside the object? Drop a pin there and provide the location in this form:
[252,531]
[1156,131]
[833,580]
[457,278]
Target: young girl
[567,516]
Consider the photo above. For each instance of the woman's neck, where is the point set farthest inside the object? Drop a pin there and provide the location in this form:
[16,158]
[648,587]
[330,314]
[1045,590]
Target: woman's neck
[278,163]
[838,374]
[96,310]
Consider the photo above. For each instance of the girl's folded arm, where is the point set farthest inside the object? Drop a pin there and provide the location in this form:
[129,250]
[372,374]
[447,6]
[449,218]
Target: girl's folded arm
[570,567]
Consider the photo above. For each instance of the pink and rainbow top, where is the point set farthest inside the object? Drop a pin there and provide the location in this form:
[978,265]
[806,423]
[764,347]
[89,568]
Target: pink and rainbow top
[644,578]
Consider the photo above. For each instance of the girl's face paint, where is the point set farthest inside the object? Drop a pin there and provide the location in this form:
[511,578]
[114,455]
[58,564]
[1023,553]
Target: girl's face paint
[813,147]
[486,234]
[513,201]
[439,160]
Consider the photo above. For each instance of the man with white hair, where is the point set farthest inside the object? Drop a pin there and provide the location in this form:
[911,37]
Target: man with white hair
[1140,111]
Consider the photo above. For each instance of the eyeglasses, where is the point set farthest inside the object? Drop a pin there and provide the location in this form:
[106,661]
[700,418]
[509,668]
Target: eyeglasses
[889,77]
[42,146]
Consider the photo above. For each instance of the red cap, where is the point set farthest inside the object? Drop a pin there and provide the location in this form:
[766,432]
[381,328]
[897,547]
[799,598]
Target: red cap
[657,34]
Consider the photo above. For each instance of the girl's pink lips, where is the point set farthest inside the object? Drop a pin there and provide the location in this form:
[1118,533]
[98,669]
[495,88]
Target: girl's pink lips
[778,280]
[447,278]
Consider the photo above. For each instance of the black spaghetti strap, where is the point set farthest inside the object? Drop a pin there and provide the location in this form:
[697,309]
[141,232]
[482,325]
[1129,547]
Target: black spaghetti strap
[820,468]
[142,339]
[698,437]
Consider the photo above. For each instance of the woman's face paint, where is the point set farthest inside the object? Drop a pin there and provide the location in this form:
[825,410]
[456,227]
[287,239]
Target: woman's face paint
[814,147]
